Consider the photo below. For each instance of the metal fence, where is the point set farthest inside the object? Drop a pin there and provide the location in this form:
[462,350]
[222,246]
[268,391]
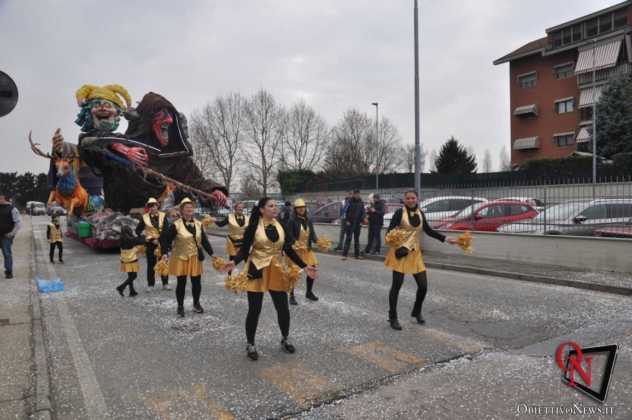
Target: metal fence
[602,209]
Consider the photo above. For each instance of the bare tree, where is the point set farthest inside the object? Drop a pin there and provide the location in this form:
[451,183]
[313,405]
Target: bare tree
[250,188]
[218,128]
[306,138]
[265,125]
[487,161]
[409,158]
[201,152]
[504,160]
[432,161]
[354,149]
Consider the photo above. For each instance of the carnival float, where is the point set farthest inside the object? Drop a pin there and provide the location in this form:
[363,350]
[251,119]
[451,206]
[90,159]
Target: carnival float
[107,176]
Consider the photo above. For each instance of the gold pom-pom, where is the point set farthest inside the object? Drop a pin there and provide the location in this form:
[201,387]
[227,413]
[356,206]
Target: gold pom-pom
[218,263]
[162,267]
[395,238]
[292,274]
[299,246]
[237,283]
[157,252]
[140,249]
[207,221]
[324,244]
[465,242]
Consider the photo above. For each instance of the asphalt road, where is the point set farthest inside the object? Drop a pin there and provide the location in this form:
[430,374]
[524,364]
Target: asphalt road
[485,343]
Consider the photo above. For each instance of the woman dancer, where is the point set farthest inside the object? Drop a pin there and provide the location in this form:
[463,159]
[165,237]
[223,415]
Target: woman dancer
[406,257]
[237,223]
[302,229]
[129,259]
[265,242]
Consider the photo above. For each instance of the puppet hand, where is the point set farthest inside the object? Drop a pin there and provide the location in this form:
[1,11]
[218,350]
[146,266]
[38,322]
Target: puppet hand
[219,197]
[138,155]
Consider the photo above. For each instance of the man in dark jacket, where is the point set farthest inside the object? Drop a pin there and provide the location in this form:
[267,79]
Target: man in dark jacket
[344,206]
[353,224]
[376,220]
[9,226]
[285,213]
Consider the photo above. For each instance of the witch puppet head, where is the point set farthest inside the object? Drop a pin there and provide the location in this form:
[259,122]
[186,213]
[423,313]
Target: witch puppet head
[101,107]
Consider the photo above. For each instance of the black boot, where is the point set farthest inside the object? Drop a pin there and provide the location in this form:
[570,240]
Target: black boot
[132,292]
[311,296]
[251,351]
[293,299]
[61,260]
[418,316]
[286,346]
[198,308]
[120,289]
[310,287]
[52,261]
[392,319]
[181,311]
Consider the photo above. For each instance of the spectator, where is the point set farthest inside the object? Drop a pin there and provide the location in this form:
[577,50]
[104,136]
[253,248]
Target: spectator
[376,220]
[285,214]
[353,223]
[9,226]
[344,206]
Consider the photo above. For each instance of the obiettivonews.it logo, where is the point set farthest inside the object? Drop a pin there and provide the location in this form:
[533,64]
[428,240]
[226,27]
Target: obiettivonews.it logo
[588,369]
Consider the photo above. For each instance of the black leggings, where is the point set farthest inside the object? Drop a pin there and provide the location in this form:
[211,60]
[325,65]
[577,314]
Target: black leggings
[398,280]
[129,282]
[59,246]
[196,289]
[255,302]
[310,285]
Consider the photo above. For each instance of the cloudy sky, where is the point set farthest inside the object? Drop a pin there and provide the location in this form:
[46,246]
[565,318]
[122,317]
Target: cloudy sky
[334,54]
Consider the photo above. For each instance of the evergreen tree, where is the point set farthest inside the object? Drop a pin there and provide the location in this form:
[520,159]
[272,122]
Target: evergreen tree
[454,159]
[614,118]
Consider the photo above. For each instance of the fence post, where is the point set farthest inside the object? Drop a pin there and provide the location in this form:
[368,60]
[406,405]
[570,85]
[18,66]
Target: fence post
[545,207]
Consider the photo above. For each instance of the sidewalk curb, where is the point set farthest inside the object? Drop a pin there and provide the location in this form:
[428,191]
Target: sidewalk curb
[42,407]
[507,274]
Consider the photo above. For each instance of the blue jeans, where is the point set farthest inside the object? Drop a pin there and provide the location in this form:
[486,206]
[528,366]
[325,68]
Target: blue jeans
[6,253]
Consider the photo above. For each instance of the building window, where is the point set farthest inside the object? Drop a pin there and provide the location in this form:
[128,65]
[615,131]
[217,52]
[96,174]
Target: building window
[578,32]
[563,140]
[528,80]
[556,39]
[620,19]
[585,114]
[605,23]
[592,27]
[564,71]
[564,105]
[566,36]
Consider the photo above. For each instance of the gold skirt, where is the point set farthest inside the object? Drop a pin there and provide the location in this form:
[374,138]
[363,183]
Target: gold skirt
[273,278]
[412,263]
[132,267]
[179,267]
[307,255]
[231,250]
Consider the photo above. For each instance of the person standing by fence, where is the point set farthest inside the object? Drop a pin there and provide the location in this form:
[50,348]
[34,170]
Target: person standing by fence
[376,221]
[9,225]
[344,206]
[353,224]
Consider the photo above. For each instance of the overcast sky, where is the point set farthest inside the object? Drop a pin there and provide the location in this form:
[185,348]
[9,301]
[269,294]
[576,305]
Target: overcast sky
[334,54]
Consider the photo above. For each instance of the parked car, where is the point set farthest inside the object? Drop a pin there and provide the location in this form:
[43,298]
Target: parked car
[37,209]
[615,232]
[576,218]
[438,208]
[533,202]
[328,213]
[489,216]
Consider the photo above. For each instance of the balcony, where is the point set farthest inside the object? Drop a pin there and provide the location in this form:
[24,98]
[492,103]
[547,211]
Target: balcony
[604,75]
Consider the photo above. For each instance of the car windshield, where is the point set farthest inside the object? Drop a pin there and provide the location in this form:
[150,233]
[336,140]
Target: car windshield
[469,210]
[559,212]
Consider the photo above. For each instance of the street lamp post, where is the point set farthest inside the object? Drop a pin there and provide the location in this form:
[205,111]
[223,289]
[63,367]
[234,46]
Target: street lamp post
[417,106]
[594,123]
[377,144]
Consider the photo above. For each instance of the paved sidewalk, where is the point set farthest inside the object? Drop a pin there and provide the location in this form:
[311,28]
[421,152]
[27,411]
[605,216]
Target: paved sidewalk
[16,349]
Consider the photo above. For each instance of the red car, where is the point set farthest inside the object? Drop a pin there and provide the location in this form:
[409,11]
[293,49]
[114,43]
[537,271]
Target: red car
[488,216]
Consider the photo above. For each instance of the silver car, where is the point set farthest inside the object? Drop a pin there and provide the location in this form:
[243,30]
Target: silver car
[576,218]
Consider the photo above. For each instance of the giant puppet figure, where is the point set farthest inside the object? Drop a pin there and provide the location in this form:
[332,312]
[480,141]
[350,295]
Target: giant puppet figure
[73,183]
[152,157]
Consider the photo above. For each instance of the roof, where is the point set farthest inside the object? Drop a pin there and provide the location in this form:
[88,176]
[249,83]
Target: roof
[533,47]
[590,15]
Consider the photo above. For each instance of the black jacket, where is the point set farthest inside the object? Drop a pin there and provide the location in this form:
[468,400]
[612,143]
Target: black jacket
[377,217]
[397,219]
[294,226]
[355,213]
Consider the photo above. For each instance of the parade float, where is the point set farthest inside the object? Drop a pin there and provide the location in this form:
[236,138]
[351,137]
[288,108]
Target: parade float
[107,176]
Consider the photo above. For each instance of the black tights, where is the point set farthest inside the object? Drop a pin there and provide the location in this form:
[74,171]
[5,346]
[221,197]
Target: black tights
[58,245]
[255,302]
[310,285]
[129,282]
[398,280]
[196,289]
